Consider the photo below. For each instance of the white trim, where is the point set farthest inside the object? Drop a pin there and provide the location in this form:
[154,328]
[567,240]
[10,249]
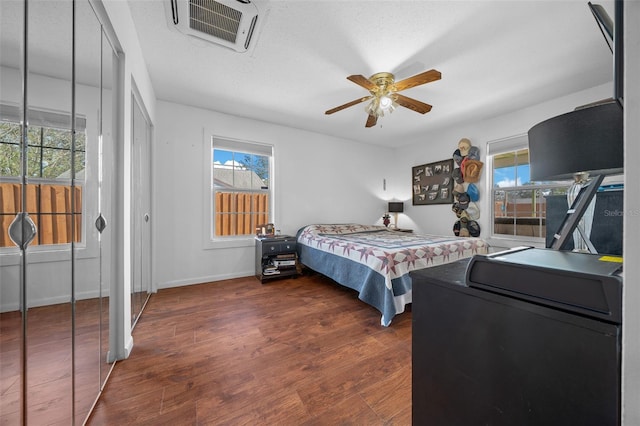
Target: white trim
[128,347]
[206,279]
[511,143]
[54,300]
[209,242]
[46,253]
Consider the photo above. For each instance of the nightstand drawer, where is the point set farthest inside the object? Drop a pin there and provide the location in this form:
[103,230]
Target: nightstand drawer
[274,247]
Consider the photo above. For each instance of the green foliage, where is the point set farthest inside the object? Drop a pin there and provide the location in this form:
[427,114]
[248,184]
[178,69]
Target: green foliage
[48,152]
[9,149]
[259,164]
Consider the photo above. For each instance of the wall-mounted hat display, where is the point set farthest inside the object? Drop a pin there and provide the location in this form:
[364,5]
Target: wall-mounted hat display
[466,173]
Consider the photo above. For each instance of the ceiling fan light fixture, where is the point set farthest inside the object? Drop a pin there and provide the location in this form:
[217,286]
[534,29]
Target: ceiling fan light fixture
[385,102]
[380,105]
[384,96]
[372,107]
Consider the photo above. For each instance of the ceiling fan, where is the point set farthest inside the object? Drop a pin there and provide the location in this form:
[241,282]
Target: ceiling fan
[384,94]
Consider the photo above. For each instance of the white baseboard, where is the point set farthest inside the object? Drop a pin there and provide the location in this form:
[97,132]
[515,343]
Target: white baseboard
[204,279]
[54,300]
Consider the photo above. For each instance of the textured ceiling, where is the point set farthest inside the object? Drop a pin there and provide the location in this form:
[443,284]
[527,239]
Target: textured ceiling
[494,56]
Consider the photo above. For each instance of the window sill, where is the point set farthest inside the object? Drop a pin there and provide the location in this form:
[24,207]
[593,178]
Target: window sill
[229,242]
[40,254]
[513,241]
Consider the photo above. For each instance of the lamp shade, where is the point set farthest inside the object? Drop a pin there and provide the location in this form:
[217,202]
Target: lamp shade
[396,206]
[584,140]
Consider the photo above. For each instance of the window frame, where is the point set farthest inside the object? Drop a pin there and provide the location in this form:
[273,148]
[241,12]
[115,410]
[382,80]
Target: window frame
[214,141]
[502,146]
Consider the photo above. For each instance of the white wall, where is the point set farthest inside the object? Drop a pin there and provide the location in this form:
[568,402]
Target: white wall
[439,219]
[318,179]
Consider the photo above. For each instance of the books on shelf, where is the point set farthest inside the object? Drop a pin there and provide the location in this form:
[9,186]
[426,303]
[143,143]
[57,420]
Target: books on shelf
[285,256]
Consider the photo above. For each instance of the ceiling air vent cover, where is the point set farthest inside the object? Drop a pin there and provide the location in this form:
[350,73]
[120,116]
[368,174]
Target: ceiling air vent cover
[230,23]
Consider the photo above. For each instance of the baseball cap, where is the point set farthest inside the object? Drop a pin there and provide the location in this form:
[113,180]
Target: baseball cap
[463,200]
[474,153]
[472,190]
[457,157]
[474,228]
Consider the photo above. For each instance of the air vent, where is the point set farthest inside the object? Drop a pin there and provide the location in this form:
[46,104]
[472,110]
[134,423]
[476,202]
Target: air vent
[230,23]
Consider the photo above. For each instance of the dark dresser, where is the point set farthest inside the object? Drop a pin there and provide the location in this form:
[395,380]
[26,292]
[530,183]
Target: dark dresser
[516,349]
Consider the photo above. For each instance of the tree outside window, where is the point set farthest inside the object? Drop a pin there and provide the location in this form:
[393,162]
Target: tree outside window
[51,201]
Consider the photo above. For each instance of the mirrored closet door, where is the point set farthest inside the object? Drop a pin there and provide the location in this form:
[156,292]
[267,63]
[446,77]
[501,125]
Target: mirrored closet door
[56,162]
[141,207]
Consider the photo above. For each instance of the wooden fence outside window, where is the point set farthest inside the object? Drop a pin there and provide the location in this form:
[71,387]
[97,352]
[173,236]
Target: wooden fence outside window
[238,213]
[49,206]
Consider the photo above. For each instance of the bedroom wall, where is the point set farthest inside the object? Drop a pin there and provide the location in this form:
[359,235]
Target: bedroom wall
[439,219]
[318,179]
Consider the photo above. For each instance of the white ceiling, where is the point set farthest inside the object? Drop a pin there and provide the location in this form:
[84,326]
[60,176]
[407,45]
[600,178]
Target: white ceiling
[494,56]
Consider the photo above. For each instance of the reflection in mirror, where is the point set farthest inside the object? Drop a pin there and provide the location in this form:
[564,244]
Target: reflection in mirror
[106,176]
[49,331]
[141,265]
[87,261]
[11,319]
[53,322]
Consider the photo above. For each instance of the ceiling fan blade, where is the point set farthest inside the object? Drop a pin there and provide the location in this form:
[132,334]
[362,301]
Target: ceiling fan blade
[363,81]
[417,80]
[412,104]
[348,104]
[371,121]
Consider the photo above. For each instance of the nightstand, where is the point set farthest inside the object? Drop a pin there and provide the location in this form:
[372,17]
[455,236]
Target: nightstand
[402,230]
[276,257]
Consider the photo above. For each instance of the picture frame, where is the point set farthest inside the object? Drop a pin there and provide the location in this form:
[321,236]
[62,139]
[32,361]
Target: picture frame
[265,230]
[432,183]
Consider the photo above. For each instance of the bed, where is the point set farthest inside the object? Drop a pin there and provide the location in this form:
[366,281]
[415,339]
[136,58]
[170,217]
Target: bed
[376,261]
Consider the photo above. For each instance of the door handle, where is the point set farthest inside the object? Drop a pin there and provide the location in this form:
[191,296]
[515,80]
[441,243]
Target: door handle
[101,223]
[22,230]
[146,217]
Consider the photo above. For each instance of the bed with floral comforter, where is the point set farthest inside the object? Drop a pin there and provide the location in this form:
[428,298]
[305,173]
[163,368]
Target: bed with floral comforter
[376,261]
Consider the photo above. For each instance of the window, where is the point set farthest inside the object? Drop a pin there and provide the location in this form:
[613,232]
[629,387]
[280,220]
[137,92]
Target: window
[50,200]
[240,187]
[518,205]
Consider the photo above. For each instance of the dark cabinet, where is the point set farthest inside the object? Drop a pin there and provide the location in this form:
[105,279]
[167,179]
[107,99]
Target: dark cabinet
[276,257]
[482,358]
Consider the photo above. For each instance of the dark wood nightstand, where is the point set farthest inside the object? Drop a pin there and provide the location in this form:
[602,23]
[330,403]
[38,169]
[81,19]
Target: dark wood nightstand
[402,230]
[276,257]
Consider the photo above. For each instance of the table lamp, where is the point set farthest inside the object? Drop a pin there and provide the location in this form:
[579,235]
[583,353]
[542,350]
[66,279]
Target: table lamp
[395,207]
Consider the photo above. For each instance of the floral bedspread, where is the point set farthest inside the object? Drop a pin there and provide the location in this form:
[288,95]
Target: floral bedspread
[382,258]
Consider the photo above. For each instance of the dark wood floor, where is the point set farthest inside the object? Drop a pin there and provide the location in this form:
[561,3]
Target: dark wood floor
[299,351]
[49,351]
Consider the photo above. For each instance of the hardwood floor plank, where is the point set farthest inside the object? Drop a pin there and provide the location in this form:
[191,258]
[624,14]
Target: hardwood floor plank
[349,411]
[289,352]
